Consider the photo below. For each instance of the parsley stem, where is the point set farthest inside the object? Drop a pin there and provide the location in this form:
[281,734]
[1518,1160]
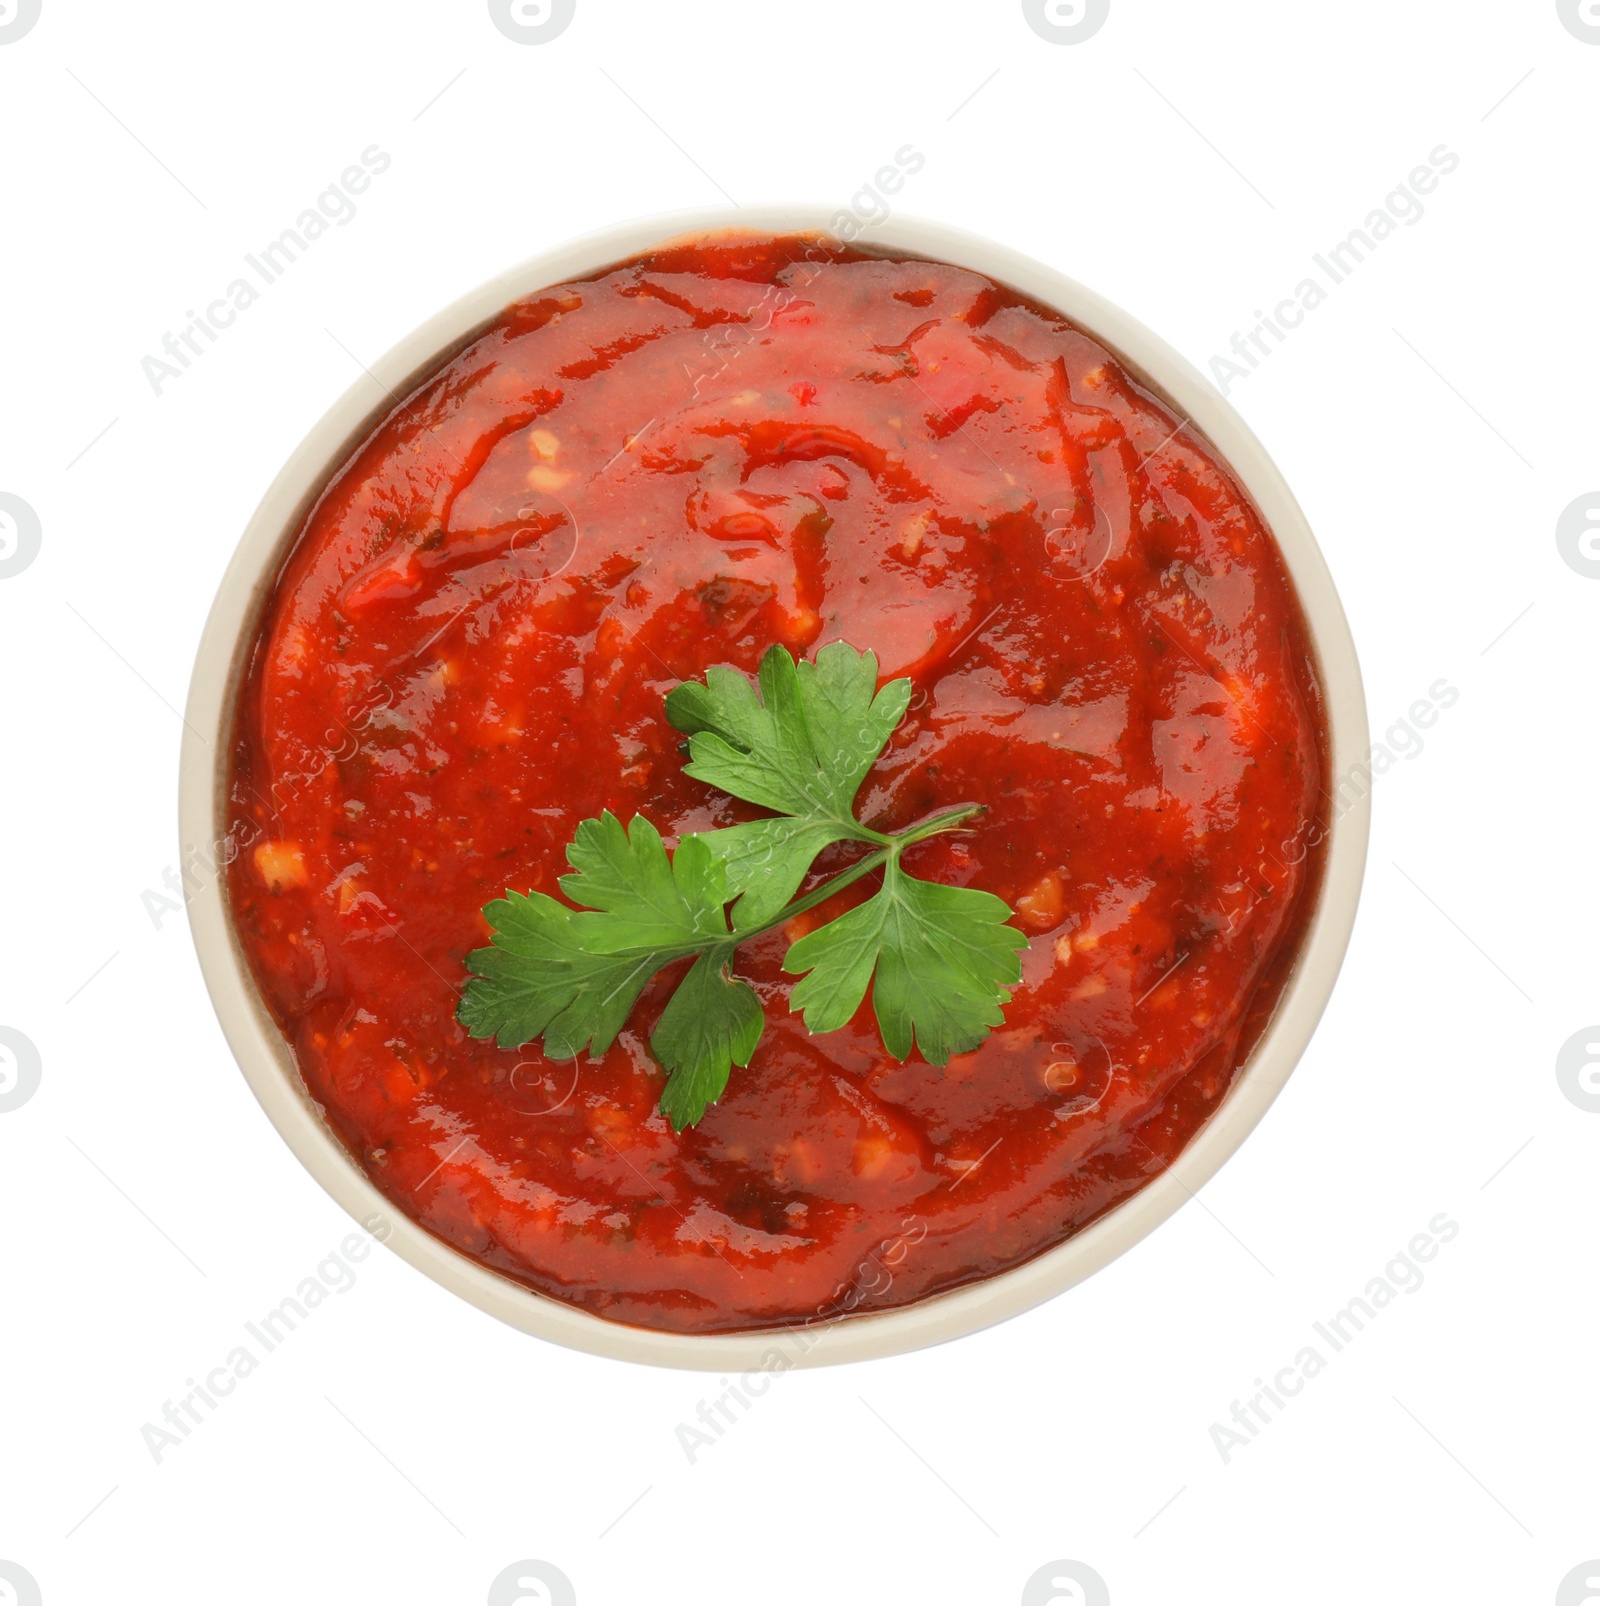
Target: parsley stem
[895,845]
[950,820]
[799,906]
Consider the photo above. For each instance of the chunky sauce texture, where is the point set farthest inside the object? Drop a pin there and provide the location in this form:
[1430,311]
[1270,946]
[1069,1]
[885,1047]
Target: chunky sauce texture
[731,442]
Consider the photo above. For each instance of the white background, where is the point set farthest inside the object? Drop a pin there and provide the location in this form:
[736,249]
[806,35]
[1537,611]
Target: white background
[1434,418]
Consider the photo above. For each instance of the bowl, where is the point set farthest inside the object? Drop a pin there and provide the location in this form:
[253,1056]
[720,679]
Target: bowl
[264,1056]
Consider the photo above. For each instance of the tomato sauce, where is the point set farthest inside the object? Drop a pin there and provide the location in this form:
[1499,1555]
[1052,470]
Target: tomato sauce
[730,442]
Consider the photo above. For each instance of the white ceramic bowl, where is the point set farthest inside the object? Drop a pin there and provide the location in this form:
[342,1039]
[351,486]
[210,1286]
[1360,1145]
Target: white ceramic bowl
[264,1056]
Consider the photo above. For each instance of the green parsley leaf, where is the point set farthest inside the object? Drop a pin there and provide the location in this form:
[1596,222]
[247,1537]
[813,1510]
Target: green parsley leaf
[945,962]
[710,1024]
[643,900]
[538,980]
[802,748]
[574,977]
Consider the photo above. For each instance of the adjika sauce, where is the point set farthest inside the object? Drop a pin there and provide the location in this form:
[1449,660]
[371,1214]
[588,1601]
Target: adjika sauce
[727,443]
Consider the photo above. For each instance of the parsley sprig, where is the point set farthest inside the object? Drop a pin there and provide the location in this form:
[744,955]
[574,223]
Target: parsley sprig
[941,960]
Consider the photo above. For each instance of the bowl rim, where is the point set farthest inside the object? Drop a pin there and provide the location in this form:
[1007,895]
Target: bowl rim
[263,1054]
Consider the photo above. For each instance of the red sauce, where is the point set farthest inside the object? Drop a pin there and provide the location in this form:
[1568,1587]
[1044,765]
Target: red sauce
[718,446]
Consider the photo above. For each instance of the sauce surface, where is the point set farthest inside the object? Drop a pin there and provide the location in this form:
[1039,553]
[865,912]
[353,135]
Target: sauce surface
[727,443]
